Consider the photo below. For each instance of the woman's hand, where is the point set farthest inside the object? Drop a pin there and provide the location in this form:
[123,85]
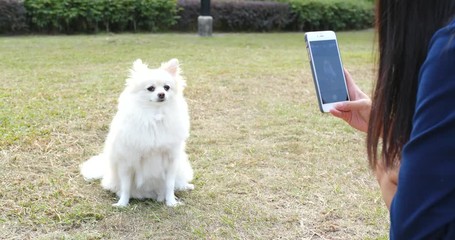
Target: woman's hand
[357,114]
[388,181]
[357,111]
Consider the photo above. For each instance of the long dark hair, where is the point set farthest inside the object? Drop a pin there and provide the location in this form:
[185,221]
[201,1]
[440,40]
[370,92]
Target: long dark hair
[404,29]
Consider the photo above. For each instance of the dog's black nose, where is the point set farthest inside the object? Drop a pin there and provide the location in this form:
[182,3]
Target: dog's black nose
[161,95]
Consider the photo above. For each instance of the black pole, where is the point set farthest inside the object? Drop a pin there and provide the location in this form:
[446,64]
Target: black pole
[205,7]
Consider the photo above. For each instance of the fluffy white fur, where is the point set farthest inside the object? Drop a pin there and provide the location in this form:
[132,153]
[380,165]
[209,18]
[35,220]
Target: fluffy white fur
[144,153]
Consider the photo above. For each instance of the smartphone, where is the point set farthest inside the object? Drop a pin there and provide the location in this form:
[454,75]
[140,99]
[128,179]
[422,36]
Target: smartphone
[327,69]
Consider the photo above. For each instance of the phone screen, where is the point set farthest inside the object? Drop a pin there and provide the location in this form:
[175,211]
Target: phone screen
[329,72]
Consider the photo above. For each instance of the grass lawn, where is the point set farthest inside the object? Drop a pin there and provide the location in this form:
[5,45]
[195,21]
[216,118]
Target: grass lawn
[267,163]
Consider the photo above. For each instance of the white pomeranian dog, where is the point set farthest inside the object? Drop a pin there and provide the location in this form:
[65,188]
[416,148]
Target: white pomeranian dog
[144,153]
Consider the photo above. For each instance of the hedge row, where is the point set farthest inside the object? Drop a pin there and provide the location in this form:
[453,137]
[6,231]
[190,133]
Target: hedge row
[290,15]
[91,15]
[332,14]
[69,16]
[236,16]
[75,16]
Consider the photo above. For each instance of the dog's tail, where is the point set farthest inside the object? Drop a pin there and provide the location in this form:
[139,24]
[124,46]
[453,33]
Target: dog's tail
[93,168]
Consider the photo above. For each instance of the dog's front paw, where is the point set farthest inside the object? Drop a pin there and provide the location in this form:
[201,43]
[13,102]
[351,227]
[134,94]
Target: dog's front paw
[173,203]
[120,203]
[186,187]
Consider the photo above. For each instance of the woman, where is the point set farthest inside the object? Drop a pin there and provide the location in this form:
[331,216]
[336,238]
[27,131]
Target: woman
[410,120]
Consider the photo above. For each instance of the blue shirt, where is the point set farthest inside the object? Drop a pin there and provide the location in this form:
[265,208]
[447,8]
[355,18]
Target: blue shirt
[424,204]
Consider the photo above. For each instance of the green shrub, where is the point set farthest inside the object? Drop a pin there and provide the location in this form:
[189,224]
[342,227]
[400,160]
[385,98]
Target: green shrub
[331,14]
[92,15]
[12,16]
[156,14]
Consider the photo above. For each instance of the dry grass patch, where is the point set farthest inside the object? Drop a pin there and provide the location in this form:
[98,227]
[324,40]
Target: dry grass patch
[268,165]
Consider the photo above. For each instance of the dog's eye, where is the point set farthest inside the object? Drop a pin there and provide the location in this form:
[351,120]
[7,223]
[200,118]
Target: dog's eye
[166,87]
[151,88]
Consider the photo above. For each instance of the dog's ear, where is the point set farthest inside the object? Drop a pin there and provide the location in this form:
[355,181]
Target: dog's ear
[138,65]
[172,66]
